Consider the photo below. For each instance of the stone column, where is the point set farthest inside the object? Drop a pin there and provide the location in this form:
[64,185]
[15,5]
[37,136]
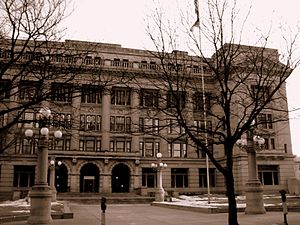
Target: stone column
[135,120]
[75,115]
[105,141]
[106,178]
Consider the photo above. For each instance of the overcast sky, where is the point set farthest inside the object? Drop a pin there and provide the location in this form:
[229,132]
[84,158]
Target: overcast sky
[124,22]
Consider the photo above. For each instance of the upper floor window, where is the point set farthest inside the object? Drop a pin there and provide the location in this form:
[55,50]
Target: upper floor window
[90,122]
[265,121]
[120,145]
[61,92]
[174,127]
[148,125]
[199,101]
[90,144]
[91,94]
[62,144]
[149,98]
[177,150]
[120,124]
[29,90]
[149,147]
[176,99]
[120,96]
[5,87]
[260,93]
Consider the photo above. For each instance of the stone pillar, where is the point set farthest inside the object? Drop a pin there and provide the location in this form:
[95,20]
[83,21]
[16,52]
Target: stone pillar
[254,189]
[52,181]
[40,195]
[106,178]
[75,115]
[105,141]
[135,120]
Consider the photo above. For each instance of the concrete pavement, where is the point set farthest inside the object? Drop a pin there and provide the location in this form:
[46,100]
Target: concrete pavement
[144,214]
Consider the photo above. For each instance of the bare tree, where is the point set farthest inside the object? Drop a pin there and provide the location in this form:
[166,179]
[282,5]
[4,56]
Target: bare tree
[227,91]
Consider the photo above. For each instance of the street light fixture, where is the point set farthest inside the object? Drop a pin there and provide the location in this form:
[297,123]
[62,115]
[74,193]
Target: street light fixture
[158,166]
[41,194]
[254,188]
[52,177]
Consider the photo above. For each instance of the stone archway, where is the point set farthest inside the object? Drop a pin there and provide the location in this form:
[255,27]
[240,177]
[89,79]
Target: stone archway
[89,178]
[120,179]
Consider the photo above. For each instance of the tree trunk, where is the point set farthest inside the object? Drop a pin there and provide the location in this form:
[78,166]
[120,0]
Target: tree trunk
[232,208]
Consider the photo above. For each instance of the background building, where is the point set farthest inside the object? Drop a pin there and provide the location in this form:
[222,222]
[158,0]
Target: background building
[108,123]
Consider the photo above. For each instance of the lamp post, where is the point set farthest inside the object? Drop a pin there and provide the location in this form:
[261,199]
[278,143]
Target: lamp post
[52,178]
[40,194]
[159,165]
[254,188]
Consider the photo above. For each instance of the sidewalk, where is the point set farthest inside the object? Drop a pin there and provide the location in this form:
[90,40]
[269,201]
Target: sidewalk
[144,214]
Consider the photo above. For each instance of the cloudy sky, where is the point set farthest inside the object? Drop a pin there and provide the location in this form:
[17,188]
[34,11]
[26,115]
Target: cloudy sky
[123,22]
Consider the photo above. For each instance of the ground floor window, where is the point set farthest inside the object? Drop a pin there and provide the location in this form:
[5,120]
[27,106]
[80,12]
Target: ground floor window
[24,176]
[179,177]
[148,177]
[268,174]
[203,177]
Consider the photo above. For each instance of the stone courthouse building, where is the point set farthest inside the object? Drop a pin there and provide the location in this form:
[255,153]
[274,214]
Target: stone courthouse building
[105,147]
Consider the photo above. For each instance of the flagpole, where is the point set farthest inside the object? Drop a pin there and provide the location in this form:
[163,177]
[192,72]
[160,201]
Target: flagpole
[197,23]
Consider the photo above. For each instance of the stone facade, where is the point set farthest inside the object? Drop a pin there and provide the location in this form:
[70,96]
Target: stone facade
[99,155]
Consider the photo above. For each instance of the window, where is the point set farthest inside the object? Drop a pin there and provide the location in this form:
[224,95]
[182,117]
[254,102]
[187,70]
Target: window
[24,176]
[176,99]
[120,145]
[61,92]
[265,121]
[90,122]
[148,177]
[26,147]
[269,143]
[177,150]
[260,93]
[63,144]
[200,125]
[174,127]
[92,144]
[148,125]
[5,87]
[268,174]
[149,147]
[61,120]
[3,120]
[199,101]
[120,124]
[179,177]
[29,90]
[203,177]
[120,96]
[149,98]
[91,94]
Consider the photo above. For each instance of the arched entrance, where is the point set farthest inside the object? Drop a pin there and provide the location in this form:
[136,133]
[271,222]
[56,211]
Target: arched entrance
[61,178]
[120,178]
[89,178]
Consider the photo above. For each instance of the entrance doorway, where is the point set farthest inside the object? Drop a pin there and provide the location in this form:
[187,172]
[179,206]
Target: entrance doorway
[89,178]
[120,178]
[61,178]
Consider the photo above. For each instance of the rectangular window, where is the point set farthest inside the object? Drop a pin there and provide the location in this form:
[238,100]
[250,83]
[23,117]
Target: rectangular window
[63,144]
[174,127]
[120,145]
[61,92]
[176,99]
[24,176]
[268,174]
[149,98]
[5,88]
[148,125]
[265,121]
[90,122]
[203,177]
[199,101]
[120,124]
[90,144]
[260,93]
[148,177]
[179,177]
[177,150]
[29,90]
[149,147]
[91,94]
[121,96]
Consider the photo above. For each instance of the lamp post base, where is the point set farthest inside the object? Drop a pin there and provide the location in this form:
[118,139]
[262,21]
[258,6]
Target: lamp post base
[54,192]
[159,195]
[254,198]
[40,205]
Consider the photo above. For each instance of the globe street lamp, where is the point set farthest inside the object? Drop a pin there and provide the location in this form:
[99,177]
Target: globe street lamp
[52,177]
[159,165]
[40,194]
[254,188]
